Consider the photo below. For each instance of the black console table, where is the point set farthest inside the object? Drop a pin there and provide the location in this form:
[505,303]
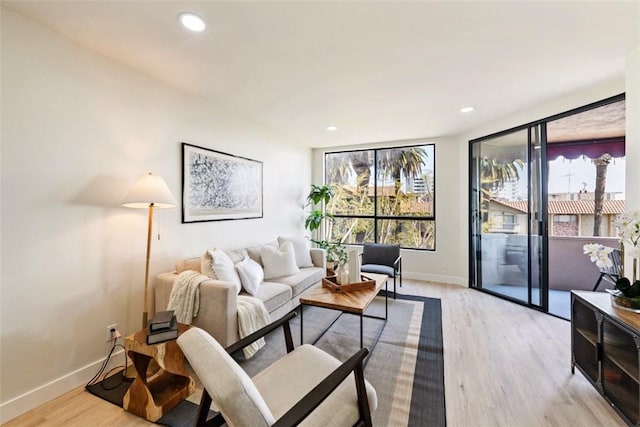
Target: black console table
[605,347]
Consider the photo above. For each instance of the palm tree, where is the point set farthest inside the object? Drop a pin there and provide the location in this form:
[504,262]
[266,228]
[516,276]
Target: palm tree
[493,176]
[601,163]
[397,163]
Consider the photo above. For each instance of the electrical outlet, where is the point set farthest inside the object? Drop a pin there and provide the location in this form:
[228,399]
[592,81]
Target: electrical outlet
[111,332]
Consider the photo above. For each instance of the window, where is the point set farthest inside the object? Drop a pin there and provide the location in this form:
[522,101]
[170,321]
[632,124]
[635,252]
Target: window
[383,195]
[565,218]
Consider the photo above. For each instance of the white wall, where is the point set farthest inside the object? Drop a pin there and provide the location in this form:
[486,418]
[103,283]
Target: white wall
[448,263]
[633,128]
[77,131]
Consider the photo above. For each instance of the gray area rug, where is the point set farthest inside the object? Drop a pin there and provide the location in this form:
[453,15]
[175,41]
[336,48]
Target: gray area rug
[406,366]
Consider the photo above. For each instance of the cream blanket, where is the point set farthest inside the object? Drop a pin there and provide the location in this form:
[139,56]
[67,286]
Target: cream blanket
[185,295]
[252,315]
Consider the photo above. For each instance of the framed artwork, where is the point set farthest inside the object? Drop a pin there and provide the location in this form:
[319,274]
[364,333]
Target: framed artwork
[218,186]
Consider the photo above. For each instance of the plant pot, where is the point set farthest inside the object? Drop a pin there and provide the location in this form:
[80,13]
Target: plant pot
[618,300]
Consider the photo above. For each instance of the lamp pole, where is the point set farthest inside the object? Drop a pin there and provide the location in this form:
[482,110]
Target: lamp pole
[145,308]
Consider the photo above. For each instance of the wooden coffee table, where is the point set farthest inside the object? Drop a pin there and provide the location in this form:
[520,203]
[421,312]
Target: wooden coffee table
[354,302]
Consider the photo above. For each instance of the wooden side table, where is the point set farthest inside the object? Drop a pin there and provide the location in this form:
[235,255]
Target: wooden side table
[153,396]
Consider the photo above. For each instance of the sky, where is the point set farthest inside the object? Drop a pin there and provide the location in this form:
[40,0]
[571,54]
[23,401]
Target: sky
[569,176]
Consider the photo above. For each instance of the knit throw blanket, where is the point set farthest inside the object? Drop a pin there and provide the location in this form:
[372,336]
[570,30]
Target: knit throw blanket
[252,315]
[185,296]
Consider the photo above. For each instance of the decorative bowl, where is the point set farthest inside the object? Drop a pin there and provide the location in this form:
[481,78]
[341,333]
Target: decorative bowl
[625,303]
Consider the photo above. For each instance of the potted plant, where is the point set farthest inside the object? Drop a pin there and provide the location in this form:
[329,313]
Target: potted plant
[319,197]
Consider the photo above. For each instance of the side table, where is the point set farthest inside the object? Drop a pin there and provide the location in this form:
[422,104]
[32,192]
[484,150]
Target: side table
[153,396]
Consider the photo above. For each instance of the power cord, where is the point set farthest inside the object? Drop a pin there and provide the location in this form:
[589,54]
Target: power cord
[105,363]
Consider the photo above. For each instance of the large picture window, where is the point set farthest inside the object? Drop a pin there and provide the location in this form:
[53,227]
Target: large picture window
[383,195]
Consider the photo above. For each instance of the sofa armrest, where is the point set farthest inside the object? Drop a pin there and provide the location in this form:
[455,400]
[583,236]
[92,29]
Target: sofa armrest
[218,312]
[319,257]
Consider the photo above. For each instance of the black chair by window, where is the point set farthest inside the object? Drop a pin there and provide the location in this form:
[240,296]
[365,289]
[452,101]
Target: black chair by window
[382,259]
[613,273]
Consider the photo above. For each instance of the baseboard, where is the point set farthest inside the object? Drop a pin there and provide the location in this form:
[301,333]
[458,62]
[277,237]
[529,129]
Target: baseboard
[32,399]
[453,280]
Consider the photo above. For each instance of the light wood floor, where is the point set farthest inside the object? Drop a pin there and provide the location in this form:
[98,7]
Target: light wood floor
[505,365]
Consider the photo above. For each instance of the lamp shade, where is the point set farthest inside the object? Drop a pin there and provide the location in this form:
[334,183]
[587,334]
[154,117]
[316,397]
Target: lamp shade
[149,190]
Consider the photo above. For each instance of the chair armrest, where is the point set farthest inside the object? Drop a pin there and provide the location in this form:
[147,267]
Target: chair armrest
[249,339]
[397,263]
[315,397]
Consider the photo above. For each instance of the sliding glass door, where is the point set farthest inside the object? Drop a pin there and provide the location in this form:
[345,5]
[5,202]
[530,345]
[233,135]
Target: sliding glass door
[508,215]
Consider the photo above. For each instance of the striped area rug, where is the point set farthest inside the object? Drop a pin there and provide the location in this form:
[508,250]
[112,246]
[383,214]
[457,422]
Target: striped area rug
[406,365]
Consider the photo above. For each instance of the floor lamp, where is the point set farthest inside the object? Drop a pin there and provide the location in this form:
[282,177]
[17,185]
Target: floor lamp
[149,192]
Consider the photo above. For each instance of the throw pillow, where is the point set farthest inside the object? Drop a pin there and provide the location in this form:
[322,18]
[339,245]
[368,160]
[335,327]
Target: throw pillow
[251,275]
[217,265]
[278,262]
[301,247]
[236,255]
[254,251]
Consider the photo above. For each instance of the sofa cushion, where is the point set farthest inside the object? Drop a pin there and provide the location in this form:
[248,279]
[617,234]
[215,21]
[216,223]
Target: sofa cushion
[188,264]
[217,265]
[251,275]
[254,251]
[236,255]
[301,280]
[302,249]
[278,262]
[274,295]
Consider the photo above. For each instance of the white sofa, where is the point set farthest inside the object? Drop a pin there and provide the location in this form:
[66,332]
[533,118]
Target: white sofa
[218,299]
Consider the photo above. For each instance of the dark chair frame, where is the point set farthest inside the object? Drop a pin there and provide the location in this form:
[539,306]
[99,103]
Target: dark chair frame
[396,265]
[613,273]
[311,400]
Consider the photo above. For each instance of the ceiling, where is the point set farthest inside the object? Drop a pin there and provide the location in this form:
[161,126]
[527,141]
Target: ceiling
[379,71]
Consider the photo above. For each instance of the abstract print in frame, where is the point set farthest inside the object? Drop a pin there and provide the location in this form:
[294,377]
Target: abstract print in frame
[218,186]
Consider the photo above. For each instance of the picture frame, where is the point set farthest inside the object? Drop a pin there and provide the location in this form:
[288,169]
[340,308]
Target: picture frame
[218,186]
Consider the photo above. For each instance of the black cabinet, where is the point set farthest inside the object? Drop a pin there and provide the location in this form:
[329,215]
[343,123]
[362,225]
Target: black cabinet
[605,348]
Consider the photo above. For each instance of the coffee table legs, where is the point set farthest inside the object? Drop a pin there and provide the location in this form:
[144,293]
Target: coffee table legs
[362,316]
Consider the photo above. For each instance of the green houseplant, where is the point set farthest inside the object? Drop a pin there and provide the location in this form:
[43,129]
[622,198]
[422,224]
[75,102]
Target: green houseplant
[318,198]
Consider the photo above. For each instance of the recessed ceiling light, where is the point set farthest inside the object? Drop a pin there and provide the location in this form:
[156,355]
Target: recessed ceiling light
[332,128]
[467,109]
[192,22]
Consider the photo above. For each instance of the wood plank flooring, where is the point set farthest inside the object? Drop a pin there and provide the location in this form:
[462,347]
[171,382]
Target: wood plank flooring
[505,365]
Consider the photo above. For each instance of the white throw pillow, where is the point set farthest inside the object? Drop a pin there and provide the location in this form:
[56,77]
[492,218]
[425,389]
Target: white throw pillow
[217,265]
[251,275]
[278,262]
[301,247]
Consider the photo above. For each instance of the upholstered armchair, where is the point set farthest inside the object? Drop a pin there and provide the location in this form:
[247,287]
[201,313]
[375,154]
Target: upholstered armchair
[305,384]
[382,259]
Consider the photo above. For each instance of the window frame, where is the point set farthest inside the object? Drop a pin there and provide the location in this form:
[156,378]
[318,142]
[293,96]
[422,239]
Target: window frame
[377,217]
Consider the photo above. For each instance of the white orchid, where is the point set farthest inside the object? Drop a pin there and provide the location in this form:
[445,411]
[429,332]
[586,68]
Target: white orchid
[599,254]
[629,228]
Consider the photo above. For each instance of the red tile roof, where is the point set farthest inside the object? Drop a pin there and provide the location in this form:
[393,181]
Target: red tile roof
[568,207]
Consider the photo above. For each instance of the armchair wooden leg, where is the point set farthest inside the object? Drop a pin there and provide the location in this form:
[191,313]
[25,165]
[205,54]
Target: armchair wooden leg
[203,412]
